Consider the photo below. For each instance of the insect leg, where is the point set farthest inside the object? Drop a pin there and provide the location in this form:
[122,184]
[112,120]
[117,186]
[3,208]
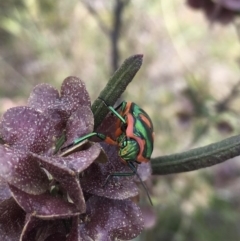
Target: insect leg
[83,138]
[126,174]
[114,110]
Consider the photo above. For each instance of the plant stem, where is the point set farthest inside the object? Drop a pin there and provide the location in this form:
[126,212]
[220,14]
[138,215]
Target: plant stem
[197,158]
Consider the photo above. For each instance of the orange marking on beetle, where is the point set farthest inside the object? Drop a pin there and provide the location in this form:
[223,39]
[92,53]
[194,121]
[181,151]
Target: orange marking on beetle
[110,141]
[127,109]
[146,120]
[140,141]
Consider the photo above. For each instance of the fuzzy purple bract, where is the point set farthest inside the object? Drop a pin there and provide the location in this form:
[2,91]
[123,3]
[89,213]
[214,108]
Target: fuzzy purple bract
[47,196]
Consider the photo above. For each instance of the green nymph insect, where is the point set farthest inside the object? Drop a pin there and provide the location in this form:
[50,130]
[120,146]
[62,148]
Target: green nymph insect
[134,137]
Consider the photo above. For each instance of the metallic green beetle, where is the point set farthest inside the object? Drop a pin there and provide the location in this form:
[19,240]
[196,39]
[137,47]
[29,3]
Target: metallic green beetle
[134,137]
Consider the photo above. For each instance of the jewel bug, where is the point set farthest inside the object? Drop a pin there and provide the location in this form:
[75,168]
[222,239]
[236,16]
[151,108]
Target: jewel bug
[134,137]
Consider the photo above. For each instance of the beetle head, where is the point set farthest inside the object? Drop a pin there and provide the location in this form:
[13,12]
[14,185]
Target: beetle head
[128,148]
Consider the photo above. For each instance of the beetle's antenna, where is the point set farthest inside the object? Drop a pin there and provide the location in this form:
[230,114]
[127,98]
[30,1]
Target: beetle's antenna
[145,188]
[133,168]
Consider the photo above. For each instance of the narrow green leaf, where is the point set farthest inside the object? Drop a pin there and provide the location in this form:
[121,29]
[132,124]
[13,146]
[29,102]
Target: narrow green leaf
[115,87]
[197,158]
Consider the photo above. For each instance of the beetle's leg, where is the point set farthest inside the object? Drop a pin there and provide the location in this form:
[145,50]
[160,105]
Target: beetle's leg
[83,138]
[116,114]
[118,174]
[114,110]
[127,174]
[121,123]
[118,107]
[121,174]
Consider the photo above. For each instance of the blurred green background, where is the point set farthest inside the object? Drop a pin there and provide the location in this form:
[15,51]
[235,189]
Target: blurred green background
[188,84]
